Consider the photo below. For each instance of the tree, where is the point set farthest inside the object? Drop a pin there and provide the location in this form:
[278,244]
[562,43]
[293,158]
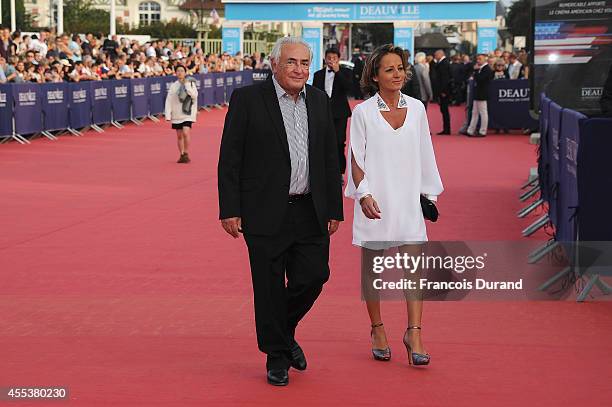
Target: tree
[518,20]
[80,16]
[170,29]
[24,20]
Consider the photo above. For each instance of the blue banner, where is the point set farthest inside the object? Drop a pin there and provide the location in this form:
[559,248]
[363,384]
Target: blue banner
[120,99]
[55,101]
[201,90]
[231,38]
[101,102]
[28,108]
[508,105]
[230,85]
[140,98]
[260,75]
[157,95]
[360,12]
[314,37]
[208,95]
[247,77]
[404,37]
[568,183]
[219,81]
[554,135]
[543,153]
[6,110]
[487,39]
[80,104]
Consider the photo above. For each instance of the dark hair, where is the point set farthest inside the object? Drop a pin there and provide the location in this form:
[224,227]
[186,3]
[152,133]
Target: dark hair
[372,65]
[332,50]
[180,66]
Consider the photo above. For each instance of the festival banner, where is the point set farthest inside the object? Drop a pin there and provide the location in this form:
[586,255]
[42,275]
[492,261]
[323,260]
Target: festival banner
[120,99]
[157,95]
[259,75]
[508,105]
[230,78]
[28,108]
[139,98]
[6,110]
[554,131]
[572,55]
[208,97]
[101,102]
[80,104]
[55,102]
[219,83]
[568,183]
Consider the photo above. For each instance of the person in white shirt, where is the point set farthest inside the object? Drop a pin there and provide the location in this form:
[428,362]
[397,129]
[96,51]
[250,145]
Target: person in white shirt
[514,67]
[392,164]
[181,110]
[39,44]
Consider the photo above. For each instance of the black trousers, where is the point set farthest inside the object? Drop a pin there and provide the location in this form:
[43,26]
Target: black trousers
[299,253]
[340,125]
[444,102]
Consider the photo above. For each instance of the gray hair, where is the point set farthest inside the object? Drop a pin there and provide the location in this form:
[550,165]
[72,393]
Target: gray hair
[278,46]
[419,57]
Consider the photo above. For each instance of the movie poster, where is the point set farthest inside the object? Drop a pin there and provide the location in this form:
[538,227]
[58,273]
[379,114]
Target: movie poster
[572,52]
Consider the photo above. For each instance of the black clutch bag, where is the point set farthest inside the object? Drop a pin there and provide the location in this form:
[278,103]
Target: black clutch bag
[429,209]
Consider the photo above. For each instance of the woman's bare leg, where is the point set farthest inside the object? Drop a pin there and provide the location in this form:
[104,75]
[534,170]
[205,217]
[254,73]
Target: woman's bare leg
[371,296]
[179,141]
[186,139]
[414,307]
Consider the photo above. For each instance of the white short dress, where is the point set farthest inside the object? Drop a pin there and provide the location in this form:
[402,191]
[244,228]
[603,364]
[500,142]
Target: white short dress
[399,165]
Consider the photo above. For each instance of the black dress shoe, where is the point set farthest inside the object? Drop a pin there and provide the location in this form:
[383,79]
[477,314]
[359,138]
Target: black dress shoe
[298,359]
[278,377]
[444,133]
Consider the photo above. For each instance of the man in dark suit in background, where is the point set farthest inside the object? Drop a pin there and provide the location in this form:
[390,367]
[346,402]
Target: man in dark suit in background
[441,84]
[411,87]
[358,65]
[279,185]
[335,81]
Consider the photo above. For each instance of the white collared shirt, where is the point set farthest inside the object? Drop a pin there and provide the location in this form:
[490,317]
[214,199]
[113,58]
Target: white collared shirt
[329,81]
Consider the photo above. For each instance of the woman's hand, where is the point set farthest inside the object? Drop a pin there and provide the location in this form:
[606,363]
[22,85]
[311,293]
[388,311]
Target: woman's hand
[370,208]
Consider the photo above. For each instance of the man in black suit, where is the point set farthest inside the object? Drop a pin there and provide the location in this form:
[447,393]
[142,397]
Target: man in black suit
[441,84]
[483,75]
[358,65]
[336,82]
[279,184]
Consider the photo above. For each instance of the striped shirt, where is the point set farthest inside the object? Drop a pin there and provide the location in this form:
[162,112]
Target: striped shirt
[295,119]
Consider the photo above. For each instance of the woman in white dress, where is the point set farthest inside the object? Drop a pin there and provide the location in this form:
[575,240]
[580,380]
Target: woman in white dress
[392,165]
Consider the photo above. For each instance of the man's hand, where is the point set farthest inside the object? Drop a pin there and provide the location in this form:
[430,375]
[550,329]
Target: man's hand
[335,66]
[233,226]
[370,207]
[332,226]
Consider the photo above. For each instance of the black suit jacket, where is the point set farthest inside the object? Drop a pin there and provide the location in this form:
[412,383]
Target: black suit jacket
[441,79]
[339,97]
[254,165]
[482,79]
[411,87]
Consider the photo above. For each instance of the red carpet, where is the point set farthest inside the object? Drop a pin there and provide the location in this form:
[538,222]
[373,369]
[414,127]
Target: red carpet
[118,282]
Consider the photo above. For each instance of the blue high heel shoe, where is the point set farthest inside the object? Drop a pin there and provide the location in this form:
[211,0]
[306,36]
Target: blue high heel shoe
[414,358]
[380,354]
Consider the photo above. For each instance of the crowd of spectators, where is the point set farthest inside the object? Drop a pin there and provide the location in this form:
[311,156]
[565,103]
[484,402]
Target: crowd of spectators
[504,64]
[45,57]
